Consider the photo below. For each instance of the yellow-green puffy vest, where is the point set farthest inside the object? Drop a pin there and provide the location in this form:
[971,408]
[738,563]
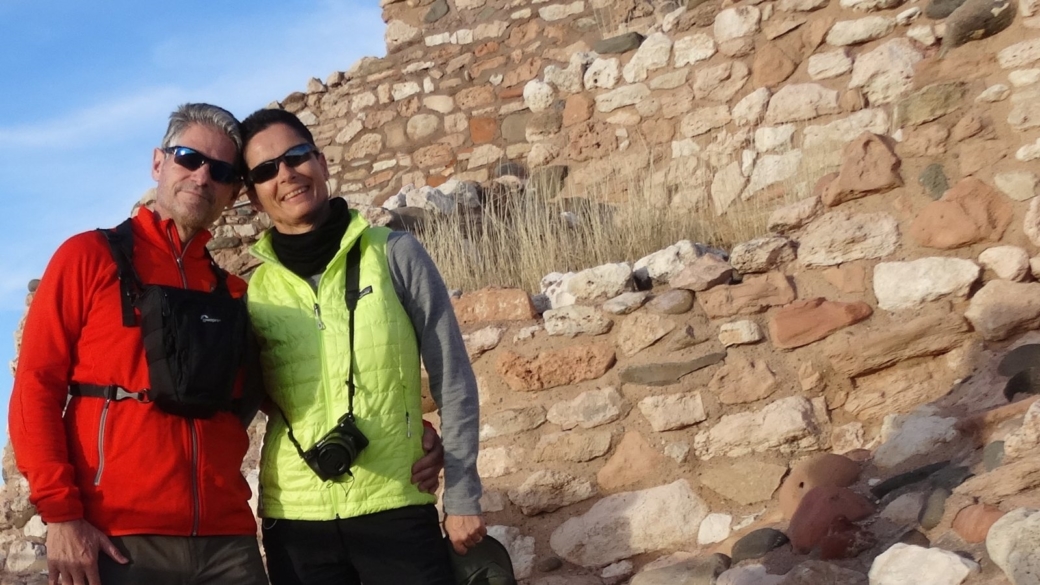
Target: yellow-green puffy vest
[305,354]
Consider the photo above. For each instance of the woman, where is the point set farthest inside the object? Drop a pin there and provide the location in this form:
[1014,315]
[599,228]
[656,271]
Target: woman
[336,499]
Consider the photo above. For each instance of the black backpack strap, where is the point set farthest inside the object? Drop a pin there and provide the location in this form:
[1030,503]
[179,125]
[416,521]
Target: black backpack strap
[246,407]
[121,244]
[352,295]
[110,392]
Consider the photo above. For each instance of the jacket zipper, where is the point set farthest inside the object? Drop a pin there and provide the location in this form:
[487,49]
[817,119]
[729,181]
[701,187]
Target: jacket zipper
[330,417]
[193,432]
[101,442]
[408,423]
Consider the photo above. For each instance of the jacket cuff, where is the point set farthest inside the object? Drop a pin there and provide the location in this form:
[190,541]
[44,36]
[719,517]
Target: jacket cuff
[471,508]
[60,510]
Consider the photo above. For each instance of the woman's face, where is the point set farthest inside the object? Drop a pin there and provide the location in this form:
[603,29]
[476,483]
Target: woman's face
[296,198]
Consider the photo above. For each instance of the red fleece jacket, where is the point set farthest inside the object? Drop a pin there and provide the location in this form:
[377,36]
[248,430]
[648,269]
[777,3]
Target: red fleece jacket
[133,469]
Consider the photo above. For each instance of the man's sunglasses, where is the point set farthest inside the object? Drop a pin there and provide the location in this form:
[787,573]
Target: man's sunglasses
[268,169]
[192,159]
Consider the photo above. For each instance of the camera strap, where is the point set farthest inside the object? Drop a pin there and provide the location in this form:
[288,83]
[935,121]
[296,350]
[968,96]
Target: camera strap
[352,295]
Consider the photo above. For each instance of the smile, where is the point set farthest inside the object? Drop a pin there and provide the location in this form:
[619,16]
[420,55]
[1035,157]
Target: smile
[295,193]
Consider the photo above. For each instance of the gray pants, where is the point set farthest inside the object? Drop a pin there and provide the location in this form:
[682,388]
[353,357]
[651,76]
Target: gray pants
[185,560]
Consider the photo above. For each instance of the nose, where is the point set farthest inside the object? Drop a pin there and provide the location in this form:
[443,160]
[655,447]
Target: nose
[285,171]
[201,175]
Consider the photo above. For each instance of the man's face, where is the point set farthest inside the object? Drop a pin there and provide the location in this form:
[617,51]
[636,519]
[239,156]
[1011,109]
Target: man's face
[192,199]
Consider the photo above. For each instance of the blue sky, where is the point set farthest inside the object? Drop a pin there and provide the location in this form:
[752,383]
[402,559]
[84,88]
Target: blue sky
[86,88]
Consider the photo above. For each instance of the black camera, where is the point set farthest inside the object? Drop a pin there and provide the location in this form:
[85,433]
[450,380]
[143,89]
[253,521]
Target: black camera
[334,453]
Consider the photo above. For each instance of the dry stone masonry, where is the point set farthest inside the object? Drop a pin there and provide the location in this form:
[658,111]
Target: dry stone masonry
[848,398]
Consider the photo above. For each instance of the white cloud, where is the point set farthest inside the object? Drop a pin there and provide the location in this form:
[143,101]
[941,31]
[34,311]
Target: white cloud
[242,69]
[83,126]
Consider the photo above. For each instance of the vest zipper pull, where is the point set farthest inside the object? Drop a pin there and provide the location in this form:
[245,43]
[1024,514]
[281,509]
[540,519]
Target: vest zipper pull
[408,423]
[317,315]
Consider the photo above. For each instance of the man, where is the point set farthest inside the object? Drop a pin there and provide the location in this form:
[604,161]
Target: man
[159,495]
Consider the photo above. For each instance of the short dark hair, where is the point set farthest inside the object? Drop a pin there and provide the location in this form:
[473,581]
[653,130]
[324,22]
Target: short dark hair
[261,120]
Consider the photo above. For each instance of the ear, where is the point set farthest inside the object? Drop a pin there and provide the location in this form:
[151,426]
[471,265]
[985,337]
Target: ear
[158,156]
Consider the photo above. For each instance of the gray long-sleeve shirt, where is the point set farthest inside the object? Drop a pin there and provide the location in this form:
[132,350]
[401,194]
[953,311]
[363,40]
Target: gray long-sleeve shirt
[425,298]
[422,291]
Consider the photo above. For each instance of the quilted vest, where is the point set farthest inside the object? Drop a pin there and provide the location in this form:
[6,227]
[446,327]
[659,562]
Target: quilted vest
[305,355]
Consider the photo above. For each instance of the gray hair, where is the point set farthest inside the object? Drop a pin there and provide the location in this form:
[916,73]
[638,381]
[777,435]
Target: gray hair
[204,114]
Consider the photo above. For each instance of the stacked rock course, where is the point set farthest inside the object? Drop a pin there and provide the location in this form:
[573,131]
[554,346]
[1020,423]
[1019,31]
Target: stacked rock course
[846,399]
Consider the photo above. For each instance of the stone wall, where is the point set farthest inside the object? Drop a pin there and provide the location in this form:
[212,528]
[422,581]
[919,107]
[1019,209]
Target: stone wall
[727,103]
[641,417]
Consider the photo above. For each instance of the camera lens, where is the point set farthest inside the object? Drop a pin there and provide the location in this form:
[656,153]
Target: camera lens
[336,455]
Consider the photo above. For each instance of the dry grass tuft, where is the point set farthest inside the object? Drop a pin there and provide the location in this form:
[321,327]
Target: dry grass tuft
[519,238]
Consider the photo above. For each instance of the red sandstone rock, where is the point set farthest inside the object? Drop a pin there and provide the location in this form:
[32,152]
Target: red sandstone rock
[822,183]
[577,109]
[869,166]
[826,469]
[814,33]
[524,33]
[703,273]
[771,67]
[845,540]
[523,72]
[474,97]
[483,130]
[494,63]
[973,523]
[852,100]
[971,125]
[509,93]
[591,140]
[494,304]
[755,294]
[848,278]
[379,178]
[409,107]
[742,380]
[485,49]
[969,212]
[853,352]
[927,140]
[550,369]
[634,461]
[435,155]
[806,321]
[820,509]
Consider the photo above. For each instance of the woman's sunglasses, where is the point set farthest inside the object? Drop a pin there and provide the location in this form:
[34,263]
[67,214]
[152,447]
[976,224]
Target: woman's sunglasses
[192,159]
[268,169]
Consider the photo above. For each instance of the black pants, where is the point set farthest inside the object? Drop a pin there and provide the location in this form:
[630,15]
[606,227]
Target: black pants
[184,560]
[396,547]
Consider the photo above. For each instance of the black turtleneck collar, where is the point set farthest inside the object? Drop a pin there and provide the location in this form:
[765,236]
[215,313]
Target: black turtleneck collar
[309,253]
